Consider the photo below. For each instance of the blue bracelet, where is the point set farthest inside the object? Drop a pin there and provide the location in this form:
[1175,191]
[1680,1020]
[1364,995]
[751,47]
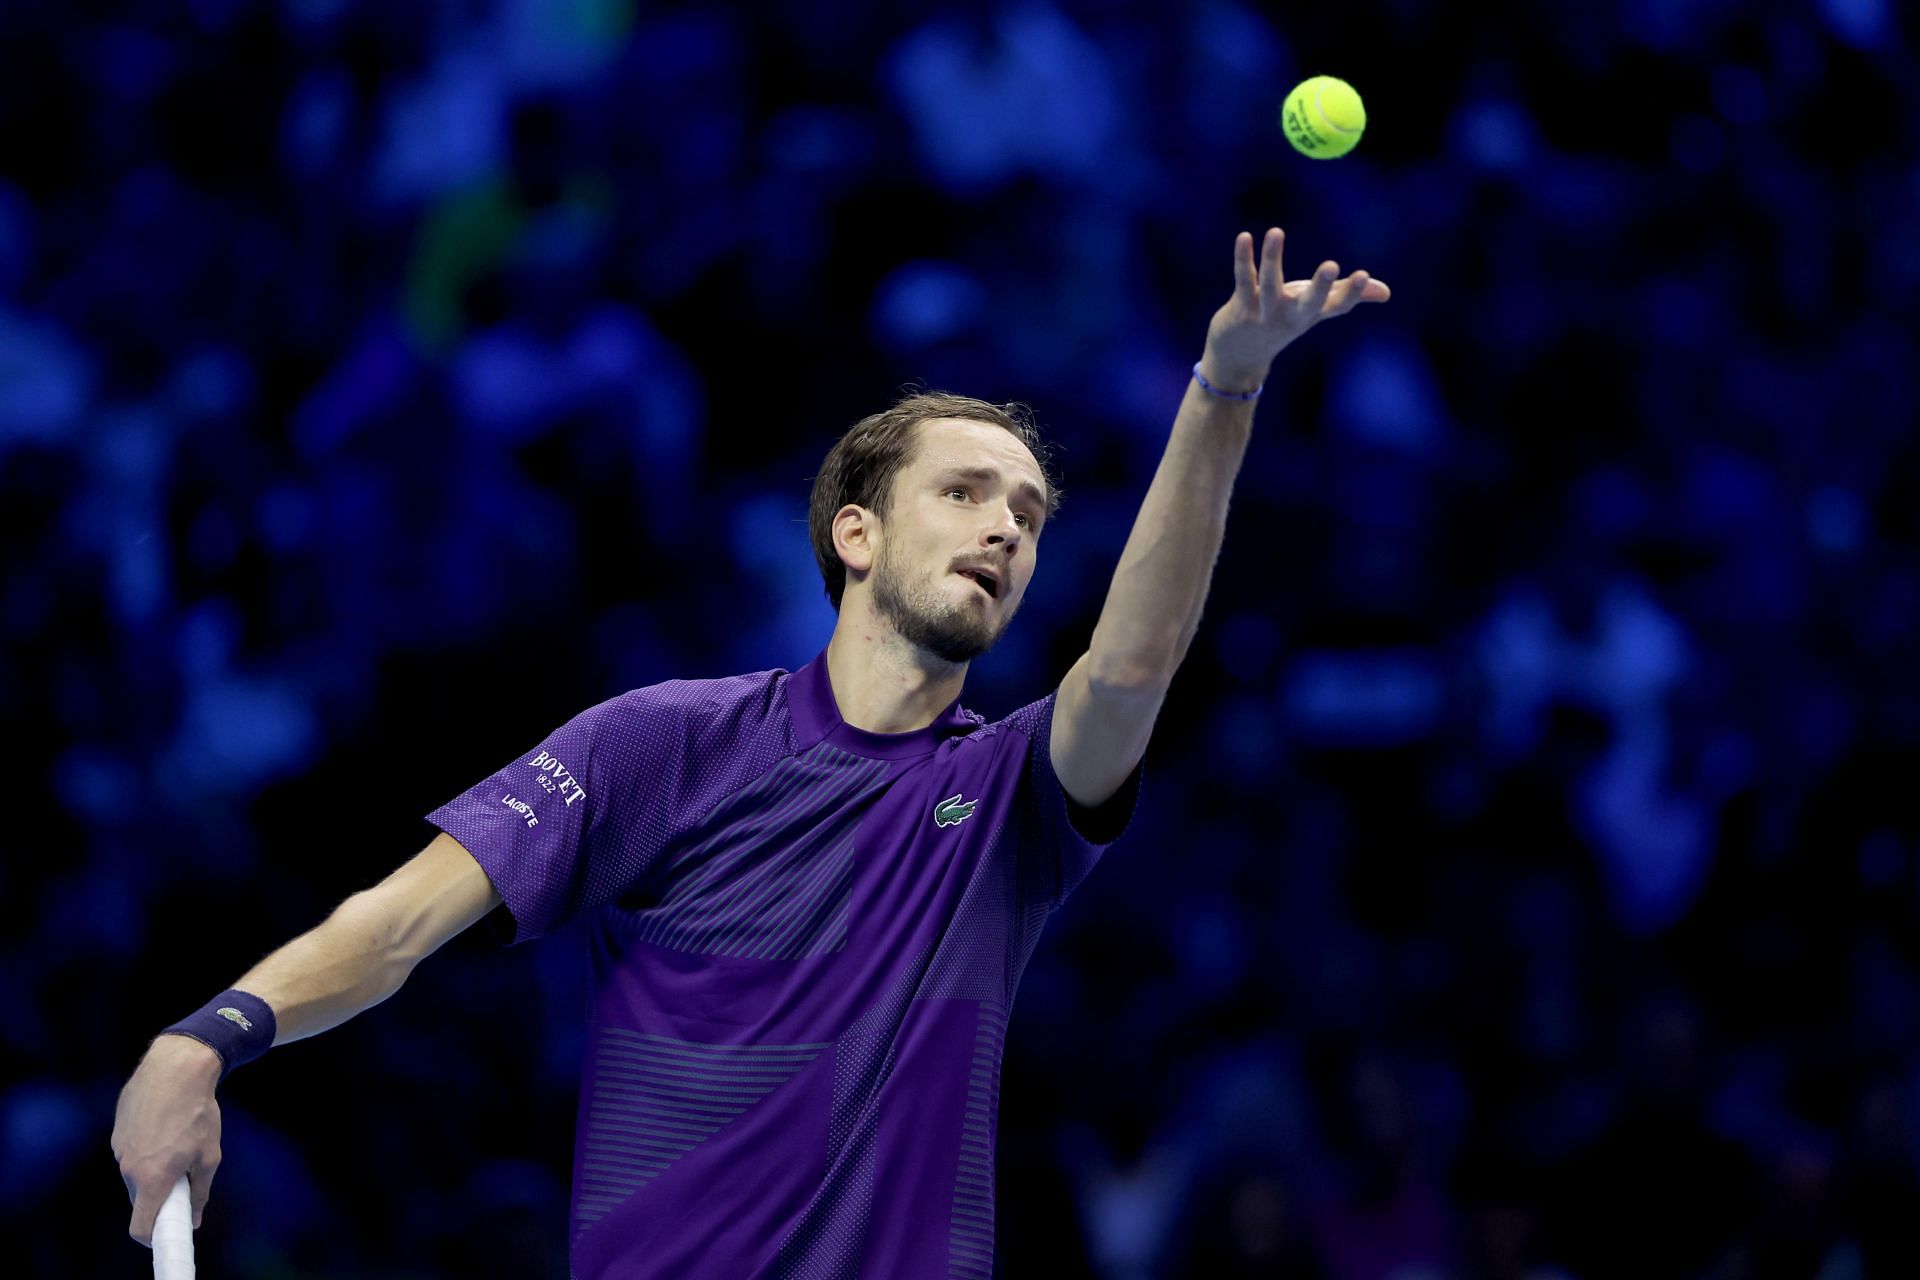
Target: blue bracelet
[234,1024]
[1212,390]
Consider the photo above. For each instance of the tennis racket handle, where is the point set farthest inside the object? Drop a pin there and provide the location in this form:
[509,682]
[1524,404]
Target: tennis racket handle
[173,1235]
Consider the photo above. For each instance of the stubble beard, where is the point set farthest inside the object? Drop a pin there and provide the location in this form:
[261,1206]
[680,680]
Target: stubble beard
[926,619]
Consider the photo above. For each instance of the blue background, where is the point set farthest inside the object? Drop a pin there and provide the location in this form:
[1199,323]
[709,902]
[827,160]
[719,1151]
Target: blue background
[1525,884]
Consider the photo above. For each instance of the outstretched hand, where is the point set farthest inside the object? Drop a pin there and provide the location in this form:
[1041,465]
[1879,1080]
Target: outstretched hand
[1268,311]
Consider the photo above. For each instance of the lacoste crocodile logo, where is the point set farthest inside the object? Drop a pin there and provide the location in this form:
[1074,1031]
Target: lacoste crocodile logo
[233,1015]
[953,811]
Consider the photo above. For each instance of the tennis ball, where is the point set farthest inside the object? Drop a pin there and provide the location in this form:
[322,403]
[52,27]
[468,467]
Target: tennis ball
[1323,117]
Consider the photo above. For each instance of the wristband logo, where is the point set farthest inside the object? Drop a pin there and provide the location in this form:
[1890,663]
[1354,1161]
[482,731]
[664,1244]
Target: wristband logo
[234,1016]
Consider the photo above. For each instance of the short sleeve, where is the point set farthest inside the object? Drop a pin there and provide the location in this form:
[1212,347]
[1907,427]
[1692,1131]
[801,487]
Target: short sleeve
[543,827]
[1065,838]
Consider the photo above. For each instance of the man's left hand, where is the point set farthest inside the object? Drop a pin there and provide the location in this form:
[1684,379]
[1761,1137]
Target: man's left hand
[1268,311]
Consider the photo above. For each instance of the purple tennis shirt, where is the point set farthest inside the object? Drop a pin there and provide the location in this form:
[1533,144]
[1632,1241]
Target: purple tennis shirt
[805,942]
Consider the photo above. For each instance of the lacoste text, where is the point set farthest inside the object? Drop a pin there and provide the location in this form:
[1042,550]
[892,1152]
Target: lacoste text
[520,807]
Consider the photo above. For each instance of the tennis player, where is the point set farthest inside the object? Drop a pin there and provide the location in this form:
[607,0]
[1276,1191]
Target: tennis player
[809,895]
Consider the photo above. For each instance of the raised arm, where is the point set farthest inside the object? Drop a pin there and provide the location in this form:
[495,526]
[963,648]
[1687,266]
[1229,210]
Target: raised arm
[1108,702]
[167,1122]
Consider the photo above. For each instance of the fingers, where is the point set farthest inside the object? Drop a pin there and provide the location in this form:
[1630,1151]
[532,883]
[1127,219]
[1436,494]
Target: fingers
[200,1188]
[1243,268]
[1322,294]
[1350,293]
[1358,288]
[149,1187]
[150,1195]
[1271,276]
[1314,302]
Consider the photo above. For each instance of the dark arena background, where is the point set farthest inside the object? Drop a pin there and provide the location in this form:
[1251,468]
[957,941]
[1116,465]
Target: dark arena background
[1525,882]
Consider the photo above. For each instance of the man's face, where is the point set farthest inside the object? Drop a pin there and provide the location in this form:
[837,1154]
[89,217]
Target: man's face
[958,542]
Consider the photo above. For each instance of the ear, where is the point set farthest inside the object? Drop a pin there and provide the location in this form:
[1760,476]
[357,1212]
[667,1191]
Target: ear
[855,534]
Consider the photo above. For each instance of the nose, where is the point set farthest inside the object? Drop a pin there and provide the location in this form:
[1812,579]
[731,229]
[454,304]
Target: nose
[1003,529]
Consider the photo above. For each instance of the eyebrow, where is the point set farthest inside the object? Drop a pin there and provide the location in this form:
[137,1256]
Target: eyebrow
[987,475]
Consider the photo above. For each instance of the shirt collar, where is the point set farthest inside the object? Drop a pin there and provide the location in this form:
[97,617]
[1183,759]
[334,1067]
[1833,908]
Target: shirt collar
[816,718]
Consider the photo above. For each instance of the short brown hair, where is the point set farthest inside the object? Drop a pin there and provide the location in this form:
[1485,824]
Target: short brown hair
[861,466]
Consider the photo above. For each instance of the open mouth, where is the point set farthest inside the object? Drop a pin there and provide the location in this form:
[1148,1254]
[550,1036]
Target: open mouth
[986,581]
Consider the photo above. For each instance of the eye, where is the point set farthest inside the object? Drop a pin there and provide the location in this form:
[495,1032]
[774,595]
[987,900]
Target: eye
[962,492]
[1026,521]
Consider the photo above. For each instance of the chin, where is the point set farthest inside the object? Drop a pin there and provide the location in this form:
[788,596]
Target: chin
[957,637]
[934,622]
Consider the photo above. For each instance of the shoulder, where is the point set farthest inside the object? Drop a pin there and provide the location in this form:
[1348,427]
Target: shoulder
[1022,724]
[706,695]
[727,704]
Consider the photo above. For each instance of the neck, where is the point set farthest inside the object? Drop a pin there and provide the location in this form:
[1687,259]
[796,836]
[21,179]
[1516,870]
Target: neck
[880,682]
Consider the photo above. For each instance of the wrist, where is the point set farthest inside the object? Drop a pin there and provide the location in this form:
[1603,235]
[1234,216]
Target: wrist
[1227,381]
[182,1052]
[235,1026]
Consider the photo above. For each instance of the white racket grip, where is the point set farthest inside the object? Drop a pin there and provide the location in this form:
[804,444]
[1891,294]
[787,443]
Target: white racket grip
[173,1235]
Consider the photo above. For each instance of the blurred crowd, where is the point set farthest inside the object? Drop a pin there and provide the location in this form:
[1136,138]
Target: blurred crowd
[1525,882]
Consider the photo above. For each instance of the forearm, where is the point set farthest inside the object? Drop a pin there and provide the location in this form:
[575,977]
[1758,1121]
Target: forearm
[351,961]
[1159,590]
[361,953]
[167,1121]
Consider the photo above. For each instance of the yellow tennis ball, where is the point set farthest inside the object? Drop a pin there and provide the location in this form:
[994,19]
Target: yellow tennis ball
[1323,117]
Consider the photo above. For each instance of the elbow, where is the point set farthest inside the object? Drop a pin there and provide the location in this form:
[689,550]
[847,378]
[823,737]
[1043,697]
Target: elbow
[1129,679]
[1138,665]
